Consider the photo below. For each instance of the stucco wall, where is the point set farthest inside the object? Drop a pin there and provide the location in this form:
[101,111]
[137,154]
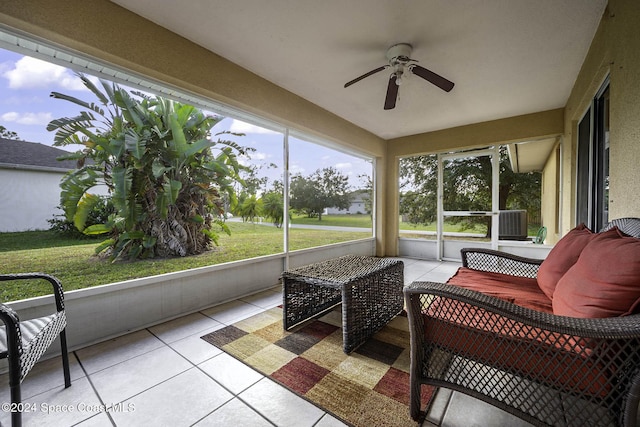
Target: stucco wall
[614,52]
[550,186]
[28,199]
[624,37]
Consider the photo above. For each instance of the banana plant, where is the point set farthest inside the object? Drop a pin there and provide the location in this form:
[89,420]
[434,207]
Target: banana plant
[156,158]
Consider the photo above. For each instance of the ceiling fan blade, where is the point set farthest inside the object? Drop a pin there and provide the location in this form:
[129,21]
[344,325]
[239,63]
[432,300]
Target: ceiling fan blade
[392,93]
[432,77]
[356,80]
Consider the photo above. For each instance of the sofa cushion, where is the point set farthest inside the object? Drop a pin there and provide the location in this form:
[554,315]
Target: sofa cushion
[531,352]
[562,257]
[518,290]
[604,282]
[558,360]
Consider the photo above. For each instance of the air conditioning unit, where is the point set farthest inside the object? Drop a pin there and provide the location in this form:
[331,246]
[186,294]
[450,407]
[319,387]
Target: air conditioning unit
[513,225]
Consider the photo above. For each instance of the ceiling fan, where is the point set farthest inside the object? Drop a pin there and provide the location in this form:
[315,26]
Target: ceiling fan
[400,61]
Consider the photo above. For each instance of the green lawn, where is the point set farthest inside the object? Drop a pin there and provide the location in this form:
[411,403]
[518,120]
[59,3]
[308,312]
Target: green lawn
[356,220]
[364,221]
[531,231]
[74,263]
[39,240]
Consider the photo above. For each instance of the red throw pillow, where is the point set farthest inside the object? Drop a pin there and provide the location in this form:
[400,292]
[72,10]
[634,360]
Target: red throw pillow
[605,282]
[564,254]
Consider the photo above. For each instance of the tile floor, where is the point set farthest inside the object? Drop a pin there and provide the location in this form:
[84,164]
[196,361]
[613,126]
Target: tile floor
[167,376]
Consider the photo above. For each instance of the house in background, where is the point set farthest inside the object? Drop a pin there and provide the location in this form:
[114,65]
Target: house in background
[359,201]
[30,192]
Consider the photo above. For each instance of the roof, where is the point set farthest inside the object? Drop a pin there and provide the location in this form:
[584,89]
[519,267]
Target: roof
[27,155]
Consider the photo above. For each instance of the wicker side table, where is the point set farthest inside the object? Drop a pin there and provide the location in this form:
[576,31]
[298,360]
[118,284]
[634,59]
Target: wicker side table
[369,288]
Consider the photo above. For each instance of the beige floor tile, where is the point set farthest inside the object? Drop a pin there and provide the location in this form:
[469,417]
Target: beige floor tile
[231,312]
[283,407]
[195,349]
[181,401]
[117,350]
[44,376]
[234,413]
[59,407]
[134,376]
[230,372]
[183,327]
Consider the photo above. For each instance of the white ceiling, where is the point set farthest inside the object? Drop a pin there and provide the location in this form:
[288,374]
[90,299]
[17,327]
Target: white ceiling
[506,57]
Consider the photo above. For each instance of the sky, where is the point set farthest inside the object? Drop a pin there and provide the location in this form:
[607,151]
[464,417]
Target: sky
[26,108]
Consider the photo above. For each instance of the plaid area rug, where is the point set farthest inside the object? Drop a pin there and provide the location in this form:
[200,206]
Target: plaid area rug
[369,387]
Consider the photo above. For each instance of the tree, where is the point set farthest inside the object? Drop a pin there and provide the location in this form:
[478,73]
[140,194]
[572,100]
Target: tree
[250,208]
[251,185]
[323,189]
[157,160]
[99,214]
[7,134]
[273,206]
[418,188]
[467,186]
[368,190]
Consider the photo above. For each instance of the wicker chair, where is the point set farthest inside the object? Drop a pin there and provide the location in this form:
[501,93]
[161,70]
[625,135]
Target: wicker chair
[542,368]
[24,342]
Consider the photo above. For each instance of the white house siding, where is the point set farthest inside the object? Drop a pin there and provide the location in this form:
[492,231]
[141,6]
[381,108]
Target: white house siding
[357,207]
[28,198]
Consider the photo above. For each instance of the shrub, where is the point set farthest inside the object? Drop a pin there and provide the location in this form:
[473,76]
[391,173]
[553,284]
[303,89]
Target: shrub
[99,214]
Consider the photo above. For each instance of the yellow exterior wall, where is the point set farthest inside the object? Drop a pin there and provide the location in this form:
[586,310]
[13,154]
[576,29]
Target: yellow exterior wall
[614,51]
[550,187]
[624,37]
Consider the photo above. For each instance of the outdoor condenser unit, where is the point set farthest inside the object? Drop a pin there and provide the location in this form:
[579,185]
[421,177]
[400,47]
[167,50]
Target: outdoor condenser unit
[513,225]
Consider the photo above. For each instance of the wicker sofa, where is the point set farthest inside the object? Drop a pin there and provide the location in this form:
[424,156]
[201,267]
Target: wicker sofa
[554,342]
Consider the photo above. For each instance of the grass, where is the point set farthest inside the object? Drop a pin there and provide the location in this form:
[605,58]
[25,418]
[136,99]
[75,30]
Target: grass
[532,229]
[39,240]
[74,263]
[354,220]
[477,228]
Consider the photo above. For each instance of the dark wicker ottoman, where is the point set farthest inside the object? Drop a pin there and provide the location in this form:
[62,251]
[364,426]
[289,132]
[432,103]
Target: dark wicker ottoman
[369,288]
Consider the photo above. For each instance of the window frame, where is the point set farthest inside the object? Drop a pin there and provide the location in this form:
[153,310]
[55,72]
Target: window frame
[592,162]
[37,48]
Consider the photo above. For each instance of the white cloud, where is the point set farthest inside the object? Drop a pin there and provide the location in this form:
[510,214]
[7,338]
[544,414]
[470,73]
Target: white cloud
[6,65]
[345,165]
[253,158]
[241,127]
[30,73]
[295,168]
[27,118]
[244,161]
[19,100]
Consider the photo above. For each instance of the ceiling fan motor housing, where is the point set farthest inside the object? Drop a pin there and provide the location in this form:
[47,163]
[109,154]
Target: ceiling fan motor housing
[399,54]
